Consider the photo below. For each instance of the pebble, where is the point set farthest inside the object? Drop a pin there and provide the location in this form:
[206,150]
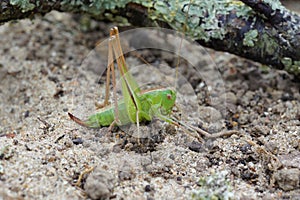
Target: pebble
[99,184]
[289,105]
[287,179]
[195,146]
[77,141]
[243,118]
[126,172]
[229,97]
[291,160]
[209,114]
[272,147]
[148,188]
[287,97]
[246,98]
[259,130]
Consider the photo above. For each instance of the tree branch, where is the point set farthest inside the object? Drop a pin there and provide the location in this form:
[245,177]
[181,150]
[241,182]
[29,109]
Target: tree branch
[260,30]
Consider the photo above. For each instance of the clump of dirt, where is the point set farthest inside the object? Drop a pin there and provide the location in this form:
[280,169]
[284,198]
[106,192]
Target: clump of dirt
[46,72]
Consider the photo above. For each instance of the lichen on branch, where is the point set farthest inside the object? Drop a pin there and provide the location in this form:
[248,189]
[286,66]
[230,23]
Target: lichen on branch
[260,30]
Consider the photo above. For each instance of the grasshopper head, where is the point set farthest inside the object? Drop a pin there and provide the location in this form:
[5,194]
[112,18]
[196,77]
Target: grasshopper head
[168,100]
[161,98]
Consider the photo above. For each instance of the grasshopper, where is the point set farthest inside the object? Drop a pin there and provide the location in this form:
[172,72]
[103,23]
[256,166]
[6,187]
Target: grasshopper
[136,106]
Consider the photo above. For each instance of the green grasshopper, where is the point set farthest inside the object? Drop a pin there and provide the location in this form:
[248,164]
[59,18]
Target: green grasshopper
[136,106]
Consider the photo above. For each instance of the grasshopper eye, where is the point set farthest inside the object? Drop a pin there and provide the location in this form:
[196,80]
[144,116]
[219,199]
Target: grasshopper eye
[169,96]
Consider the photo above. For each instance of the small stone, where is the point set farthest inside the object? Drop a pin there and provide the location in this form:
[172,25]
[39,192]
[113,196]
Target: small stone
[78,141]
[124,175]
[287,97]
[148,188]
[246,149]
[215,127]
[26,114]
[179,178]
[246,98]
[272,147]
[117,148]
[195,146]
[289,105]
[126,172]
[291,160]
[99,184]
[259,130]
[287,179]
[68,142]
[228,97]
[209,114]
[231,107]
[243,119]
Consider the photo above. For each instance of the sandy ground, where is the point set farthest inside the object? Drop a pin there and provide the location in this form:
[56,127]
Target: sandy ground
[48,68]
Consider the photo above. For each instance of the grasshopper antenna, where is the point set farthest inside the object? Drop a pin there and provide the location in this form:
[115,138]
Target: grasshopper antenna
[181,41]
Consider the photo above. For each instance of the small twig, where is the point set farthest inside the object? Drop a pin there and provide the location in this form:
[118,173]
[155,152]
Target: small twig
[86,171]
[48,127]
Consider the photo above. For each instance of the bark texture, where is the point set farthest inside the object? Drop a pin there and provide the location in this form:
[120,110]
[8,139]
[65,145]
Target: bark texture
[260,30]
